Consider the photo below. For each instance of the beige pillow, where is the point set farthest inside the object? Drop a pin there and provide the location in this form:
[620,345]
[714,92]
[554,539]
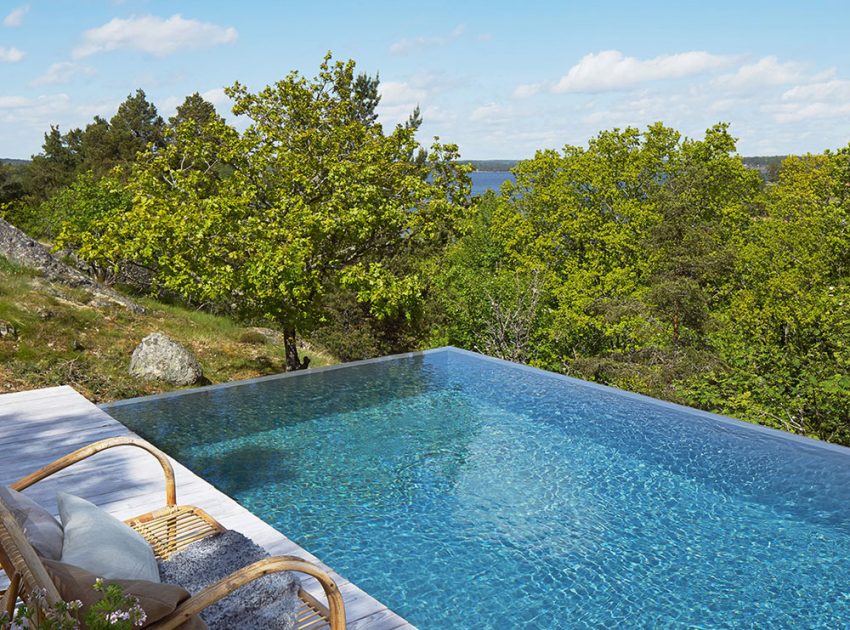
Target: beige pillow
[98,542]
[157,600]
[43,531]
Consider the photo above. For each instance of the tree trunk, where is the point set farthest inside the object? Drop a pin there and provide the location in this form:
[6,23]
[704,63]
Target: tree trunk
[291,346]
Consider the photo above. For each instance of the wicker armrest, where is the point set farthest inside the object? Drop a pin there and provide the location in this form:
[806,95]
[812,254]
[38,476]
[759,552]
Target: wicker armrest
[236,580]
[173,528]
[97,447]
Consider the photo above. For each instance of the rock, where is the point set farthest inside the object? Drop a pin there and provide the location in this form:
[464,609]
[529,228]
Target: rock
[160,357]
[7,331]
[20,249]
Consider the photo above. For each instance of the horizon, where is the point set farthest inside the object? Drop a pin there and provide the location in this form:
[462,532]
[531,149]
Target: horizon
[493,83]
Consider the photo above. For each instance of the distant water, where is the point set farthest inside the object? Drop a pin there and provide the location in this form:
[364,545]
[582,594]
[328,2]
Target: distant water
[482,181]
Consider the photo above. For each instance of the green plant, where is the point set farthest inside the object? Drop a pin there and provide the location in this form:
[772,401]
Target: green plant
[36,614]
[114,611]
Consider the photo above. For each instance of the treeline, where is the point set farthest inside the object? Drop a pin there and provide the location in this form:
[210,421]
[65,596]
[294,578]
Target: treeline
[644,260]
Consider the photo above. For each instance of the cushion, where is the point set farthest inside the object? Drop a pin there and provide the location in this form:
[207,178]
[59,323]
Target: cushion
[98,542]
[43,531]
[270,602]
[157,600]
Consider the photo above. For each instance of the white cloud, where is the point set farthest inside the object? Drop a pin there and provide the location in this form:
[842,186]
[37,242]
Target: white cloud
[490,113]
[611,71]
[217,97]
[11,55]
[10,102]
[768,71]
[400,92]
[529,89]
[153,35]
[833,89]
[62,72]
[36,113]
[438,115]
[406,45]
[398,99]
[820,100]
[15,17]
[797,112]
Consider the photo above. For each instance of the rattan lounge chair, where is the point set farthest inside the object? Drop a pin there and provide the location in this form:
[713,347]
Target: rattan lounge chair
[168,530]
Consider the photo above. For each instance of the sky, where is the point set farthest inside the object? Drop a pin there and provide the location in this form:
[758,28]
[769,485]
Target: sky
[500,79]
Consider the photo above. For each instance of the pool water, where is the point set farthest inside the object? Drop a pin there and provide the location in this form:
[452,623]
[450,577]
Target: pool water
[462,491]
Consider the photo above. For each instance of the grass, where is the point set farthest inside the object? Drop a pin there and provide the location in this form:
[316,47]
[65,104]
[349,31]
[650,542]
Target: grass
[65,339]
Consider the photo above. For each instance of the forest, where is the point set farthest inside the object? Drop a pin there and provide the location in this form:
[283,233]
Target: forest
[643,259]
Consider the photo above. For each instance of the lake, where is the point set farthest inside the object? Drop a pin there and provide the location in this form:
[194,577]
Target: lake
[483,181]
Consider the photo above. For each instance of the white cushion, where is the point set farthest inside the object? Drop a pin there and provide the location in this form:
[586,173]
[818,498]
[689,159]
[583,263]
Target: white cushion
[101,544]
[43,531]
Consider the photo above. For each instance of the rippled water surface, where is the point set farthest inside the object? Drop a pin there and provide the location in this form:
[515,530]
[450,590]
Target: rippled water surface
[454,487]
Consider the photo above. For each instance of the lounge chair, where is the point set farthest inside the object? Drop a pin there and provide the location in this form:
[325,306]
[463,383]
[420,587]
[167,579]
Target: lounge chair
[168,529]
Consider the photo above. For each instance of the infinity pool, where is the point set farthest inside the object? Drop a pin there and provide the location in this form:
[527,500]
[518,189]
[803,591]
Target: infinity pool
[467,492]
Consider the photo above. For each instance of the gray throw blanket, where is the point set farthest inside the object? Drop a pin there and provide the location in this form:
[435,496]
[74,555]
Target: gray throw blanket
[269,602]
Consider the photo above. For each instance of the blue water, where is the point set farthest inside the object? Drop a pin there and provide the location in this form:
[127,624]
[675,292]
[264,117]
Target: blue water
[482,181]
[455,487]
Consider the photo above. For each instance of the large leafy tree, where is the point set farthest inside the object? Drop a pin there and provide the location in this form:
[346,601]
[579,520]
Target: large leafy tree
[314,193]
[783,337]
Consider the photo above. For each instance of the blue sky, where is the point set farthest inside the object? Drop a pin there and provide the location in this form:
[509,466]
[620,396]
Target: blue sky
[501,79]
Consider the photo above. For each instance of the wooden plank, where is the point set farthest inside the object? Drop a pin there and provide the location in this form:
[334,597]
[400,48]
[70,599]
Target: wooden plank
[39,426]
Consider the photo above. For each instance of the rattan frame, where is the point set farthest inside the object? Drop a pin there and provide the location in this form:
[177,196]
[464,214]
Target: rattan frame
[168,529]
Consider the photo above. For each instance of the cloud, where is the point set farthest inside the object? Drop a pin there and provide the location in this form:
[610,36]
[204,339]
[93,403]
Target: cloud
[398,99]
[529,89]
[62,72]
[400,92]
[797,112]
[490,113]
[820,100]
[10,102]
[406,45]
[610,71]
[10,55]
[217,97]
[153,35]
[15,17]
[833,89]
[768,71]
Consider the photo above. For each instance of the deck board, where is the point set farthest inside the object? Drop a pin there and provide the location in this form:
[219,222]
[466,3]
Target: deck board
[39,426]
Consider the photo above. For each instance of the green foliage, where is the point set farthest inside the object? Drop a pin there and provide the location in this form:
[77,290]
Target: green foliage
[115,610]
[664,265]
[311,195]
[76,209]
[35,613]
[645,260]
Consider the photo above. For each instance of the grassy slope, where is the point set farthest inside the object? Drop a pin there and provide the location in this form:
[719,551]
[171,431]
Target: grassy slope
[64,340]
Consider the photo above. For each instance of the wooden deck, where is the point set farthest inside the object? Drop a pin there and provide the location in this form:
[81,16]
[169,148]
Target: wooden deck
[37,427]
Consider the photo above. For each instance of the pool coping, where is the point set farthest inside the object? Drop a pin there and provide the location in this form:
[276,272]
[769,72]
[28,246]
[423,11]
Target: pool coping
[270,377]
[708,415]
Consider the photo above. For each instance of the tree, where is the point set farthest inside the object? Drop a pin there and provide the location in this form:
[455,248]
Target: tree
[310,195]
[783,336]
[194,108]
[365,98]
[704,208]
[11,188]
[116,143]
[56,165]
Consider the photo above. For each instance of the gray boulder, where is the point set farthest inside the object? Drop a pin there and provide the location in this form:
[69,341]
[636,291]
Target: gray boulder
[160,357]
